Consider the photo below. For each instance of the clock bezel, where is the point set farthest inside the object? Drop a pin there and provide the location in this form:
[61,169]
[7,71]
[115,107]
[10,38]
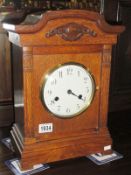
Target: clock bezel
[48,74]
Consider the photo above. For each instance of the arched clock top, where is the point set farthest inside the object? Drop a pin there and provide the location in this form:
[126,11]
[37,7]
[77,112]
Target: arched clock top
[28,25]
[78,26]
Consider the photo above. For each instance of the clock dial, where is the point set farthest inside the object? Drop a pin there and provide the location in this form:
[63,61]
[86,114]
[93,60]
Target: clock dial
[68,90]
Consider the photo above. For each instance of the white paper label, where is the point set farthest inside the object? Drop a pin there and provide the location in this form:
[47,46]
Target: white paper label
[108,147]
[45,127]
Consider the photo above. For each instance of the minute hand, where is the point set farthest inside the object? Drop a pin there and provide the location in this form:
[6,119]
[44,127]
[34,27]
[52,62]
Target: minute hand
[72,93]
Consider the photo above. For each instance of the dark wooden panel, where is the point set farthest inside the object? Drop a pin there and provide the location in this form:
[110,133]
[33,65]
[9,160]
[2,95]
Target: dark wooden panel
[120,85]
[6,115]
[4,132]
[121,66]
[111,10]
[18,84]
[6,85]
[6,100]
[5,69]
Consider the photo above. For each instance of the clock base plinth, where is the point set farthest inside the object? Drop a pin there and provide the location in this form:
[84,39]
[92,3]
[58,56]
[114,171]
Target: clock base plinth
[32,151]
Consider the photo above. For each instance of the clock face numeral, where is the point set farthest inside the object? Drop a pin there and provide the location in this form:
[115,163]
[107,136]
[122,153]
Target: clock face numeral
[78,106]
[86,79]
[87,89]
[53,82]
[52,102]
[69,71]
[68,90]
[49,92]
[58,108]
[84,99]
[78,73]
[60,74]
[68,110]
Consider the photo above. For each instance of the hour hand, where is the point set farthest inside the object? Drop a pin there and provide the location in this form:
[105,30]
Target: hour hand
[70,92]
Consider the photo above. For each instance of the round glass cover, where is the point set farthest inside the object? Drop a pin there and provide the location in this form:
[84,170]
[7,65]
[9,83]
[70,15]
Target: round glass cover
[68,90]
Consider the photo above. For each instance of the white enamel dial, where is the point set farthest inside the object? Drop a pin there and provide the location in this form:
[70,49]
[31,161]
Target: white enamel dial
[68,90]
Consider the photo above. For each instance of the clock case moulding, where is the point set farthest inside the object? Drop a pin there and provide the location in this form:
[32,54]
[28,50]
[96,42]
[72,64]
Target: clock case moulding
[39,44]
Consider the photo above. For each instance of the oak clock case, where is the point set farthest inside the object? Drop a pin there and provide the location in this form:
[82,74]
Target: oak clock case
[65,61]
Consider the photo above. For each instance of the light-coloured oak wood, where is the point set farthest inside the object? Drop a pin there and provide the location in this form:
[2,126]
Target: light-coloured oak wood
[60,37]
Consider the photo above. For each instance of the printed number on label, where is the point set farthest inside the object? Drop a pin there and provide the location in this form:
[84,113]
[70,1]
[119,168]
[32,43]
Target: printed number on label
[45,128]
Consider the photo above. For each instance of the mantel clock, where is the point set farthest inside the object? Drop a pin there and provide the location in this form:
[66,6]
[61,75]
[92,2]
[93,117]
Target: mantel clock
[61,63]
